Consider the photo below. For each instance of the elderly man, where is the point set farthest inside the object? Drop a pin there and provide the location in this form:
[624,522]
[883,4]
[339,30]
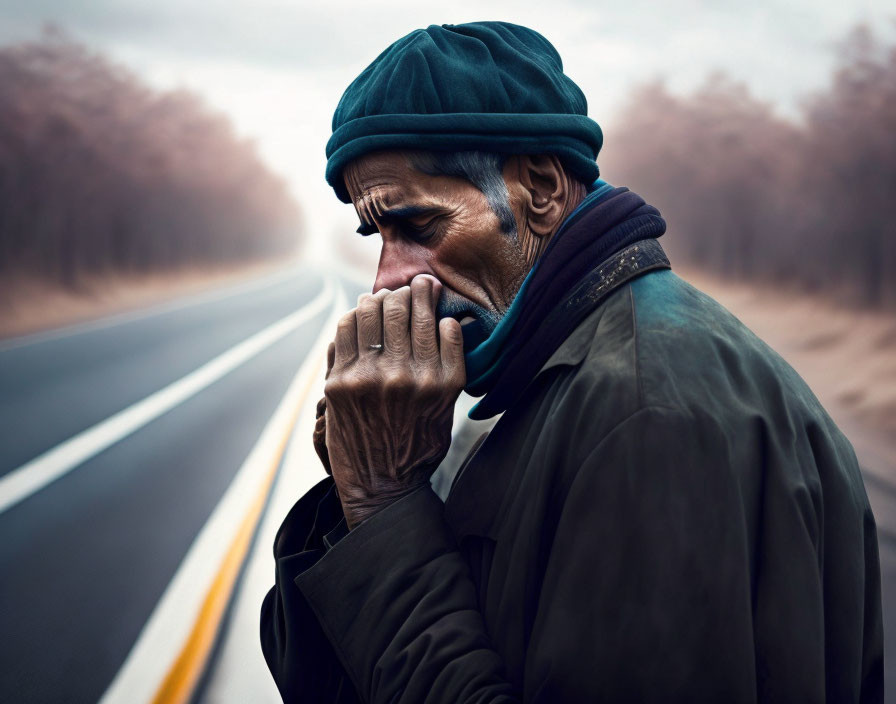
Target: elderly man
[664,512]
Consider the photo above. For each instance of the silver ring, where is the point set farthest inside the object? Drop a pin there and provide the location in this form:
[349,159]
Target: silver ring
[378,348]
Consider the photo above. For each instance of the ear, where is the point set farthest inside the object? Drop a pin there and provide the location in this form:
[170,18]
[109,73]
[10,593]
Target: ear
[545,192]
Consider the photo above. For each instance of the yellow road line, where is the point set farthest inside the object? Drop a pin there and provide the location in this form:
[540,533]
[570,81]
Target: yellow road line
[182,678]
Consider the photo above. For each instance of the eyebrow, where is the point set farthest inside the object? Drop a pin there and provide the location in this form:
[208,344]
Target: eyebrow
[400,213]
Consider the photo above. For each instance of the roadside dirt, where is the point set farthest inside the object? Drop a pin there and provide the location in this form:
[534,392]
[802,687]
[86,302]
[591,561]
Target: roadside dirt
[29,305]
[847,356]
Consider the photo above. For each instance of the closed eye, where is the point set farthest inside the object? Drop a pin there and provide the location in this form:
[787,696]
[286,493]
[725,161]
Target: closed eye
[416,232]
[421,233]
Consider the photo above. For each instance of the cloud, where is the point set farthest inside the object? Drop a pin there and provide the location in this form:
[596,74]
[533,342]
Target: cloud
[266,32]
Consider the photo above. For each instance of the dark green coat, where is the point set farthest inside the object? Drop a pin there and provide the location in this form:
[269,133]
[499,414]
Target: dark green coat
[665,514]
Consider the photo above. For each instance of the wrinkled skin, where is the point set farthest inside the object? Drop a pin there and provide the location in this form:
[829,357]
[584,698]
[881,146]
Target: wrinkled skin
[384,424]
[320,429]
[389,411]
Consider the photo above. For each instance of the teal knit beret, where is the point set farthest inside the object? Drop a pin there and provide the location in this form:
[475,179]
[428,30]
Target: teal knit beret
[491,86]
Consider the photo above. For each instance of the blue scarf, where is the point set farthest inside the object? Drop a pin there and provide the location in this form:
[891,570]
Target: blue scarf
[608,220]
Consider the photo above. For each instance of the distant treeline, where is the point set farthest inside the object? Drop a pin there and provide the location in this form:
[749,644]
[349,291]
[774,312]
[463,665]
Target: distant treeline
[100,173]
[749,194]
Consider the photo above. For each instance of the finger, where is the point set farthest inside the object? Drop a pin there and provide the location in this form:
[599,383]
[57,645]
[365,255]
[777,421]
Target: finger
[321,407]
[451,350]
[370,321]
[396,322]
[331,357]
[424,289]
[319,439]
[346,342]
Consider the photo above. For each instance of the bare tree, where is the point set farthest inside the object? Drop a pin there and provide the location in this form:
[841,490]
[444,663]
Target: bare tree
[752,195]
[99,173]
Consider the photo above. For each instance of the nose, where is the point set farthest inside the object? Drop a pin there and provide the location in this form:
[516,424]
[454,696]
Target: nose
[400,261]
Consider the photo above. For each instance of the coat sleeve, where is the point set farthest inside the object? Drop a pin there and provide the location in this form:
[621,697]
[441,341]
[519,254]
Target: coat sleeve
[647,592]
[395,599]
[298,654]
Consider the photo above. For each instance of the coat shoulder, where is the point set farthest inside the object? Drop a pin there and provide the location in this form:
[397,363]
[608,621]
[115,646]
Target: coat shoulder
[661,343]
[692,351]
[695,355]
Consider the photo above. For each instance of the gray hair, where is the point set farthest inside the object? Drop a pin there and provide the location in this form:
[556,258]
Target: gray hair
[483,169]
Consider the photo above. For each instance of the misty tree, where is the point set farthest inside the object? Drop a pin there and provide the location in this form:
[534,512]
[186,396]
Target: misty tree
[100,173]
[749,194]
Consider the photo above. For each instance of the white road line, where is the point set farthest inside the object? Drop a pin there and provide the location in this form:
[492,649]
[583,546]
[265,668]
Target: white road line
[169,625]
[195,299]
[238,672]
[20,483]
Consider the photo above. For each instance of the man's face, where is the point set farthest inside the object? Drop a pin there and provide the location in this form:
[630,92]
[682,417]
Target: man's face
[438,225]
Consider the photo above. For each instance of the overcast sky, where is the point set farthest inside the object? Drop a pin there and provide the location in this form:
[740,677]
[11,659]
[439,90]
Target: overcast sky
[278,67]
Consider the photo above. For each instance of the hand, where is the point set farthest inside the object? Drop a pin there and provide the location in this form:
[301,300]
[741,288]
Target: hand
[319,438]
[389,411]
[320,432]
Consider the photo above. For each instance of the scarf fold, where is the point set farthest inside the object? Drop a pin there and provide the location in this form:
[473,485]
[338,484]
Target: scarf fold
[554,298]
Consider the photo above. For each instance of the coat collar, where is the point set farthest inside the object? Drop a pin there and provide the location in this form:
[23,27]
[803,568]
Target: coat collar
[476,510]
[559,323]
[612,274]
[573,349]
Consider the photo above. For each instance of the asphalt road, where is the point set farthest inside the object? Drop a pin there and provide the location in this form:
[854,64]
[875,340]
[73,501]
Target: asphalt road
[85,558]
[882,495]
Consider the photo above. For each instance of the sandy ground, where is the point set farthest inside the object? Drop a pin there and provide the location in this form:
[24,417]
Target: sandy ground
[847,356]
[30,305]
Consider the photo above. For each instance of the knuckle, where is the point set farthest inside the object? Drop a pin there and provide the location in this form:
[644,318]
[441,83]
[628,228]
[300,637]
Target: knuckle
[345,384]
[403,293]
[372,300]
[333,387]
[394,316]
[423,322]
[367,316]
[396,302]
[360,381]
[338,393]
[426,349]
[423,304]
[367,310]
[397,379]
[428,384]
[346,320]
[398,299]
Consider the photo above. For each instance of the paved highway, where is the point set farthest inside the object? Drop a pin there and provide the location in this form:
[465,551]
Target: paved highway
[882,495]
[130,453]
[88,549]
